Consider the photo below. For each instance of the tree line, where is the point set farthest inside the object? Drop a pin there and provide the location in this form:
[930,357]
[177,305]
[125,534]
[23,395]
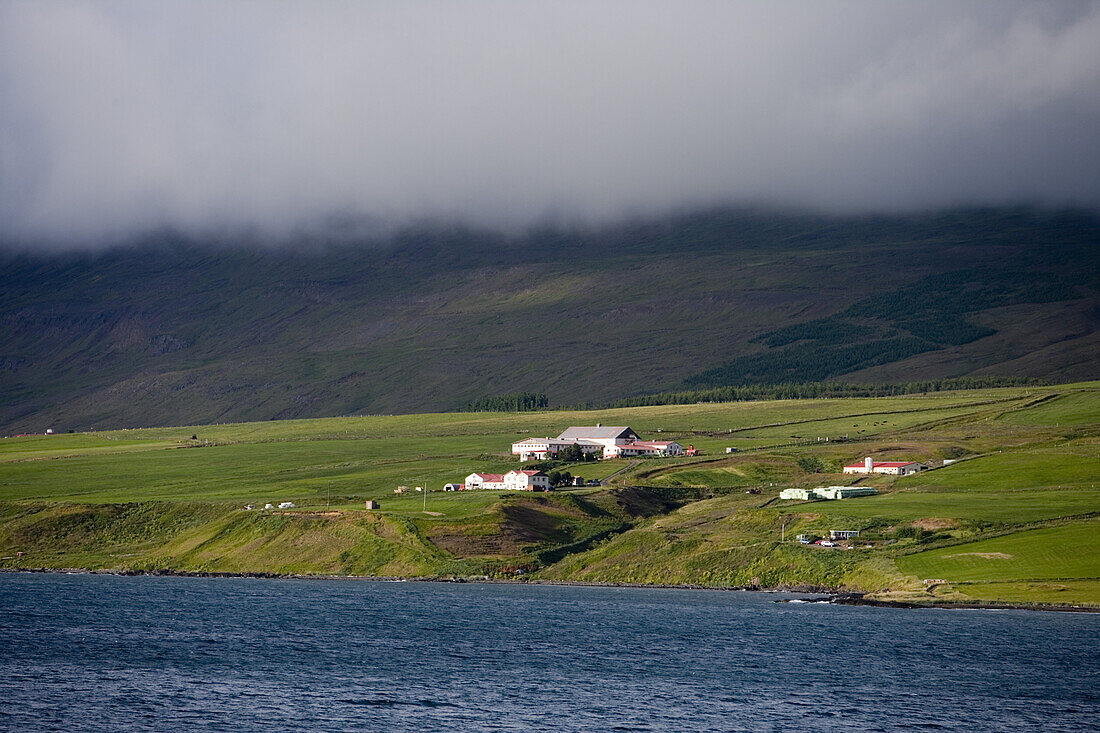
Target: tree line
[511,402]
[812,390]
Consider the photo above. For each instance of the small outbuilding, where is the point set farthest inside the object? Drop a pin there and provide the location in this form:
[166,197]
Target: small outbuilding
[372,504]
[843,492]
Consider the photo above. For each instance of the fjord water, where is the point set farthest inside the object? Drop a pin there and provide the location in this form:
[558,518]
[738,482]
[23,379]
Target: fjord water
[88,652]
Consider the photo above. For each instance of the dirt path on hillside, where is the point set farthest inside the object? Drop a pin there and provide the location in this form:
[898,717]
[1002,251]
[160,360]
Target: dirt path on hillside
[624,469]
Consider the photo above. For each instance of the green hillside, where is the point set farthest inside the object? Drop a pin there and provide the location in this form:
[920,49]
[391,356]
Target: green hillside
[173,331]
[1012,520]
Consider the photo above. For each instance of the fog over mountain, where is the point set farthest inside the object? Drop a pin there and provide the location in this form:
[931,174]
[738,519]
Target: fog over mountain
[117,117]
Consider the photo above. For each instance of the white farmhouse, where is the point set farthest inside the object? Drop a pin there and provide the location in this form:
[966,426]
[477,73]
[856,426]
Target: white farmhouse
[893,468]
[527,481]
[513,480]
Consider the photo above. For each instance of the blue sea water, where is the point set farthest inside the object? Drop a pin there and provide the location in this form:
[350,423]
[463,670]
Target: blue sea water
[94,653]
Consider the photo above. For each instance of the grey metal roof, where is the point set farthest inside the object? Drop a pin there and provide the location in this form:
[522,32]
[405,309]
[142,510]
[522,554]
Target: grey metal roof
[597,433]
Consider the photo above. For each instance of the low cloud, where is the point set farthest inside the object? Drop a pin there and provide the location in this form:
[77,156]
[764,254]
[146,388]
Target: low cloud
[117,117]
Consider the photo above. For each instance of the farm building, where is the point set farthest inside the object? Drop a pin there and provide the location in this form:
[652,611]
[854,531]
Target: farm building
[372,504]
[527,481]
[513,480]
[843,492]
[601,434]
[540,449]
[893,468]
[826,492]
[485,481]
[843,534]
[644,448]
[609,442]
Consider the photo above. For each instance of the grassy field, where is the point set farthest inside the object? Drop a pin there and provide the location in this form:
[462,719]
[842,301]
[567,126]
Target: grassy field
[1049,553]
[369,456]
[1013,521]
[1043,482]
[1078,408]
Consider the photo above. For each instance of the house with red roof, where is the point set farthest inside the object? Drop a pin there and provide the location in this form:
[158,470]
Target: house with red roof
[644,448]
[485,481]
[893,468]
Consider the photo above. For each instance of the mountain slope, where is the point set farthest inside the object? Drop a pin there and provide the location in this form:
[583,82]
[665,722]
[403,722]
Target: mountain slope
[171,330]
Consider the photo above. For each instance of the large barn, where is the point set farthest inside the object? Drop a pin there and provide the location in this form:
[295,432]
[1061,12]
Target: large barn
[609,442]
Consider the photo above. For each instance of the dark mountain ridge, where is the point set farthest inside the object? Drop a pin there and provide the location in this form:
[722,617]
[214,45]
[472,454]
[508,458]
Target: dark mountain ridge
[171,330]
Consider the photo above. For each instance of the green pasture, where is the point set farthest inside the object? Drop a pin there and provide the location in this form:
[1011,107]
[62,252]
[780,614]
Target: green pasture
[1075,408]
[1044,482]
[249,472]
[598,470]
[1050,592]
[312,460]
[729,475]
[1067,551]
[68,446]
[1066,465]
[447,504]
[856,426]
[1006,507]
[675,422]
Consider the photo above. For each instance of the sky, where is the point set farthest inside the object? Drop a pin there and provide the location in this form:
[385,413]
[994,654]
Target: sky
[121,117]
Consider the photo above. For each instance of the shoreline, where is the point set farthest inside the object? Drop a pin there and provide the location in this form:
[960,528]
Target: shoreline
[826,595]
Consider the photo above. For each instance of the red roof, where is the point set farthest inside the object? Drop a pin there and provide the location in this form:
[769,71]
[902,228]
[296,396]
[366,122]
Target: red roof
[495,477]
[882,464]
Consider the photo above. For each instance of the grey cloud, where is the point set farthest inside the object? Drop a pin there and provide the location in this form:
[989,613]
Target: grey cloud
[121,116]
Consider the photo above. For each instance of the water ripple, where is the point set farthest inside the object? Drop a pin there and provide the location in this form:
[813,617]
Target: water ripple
[89,653]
